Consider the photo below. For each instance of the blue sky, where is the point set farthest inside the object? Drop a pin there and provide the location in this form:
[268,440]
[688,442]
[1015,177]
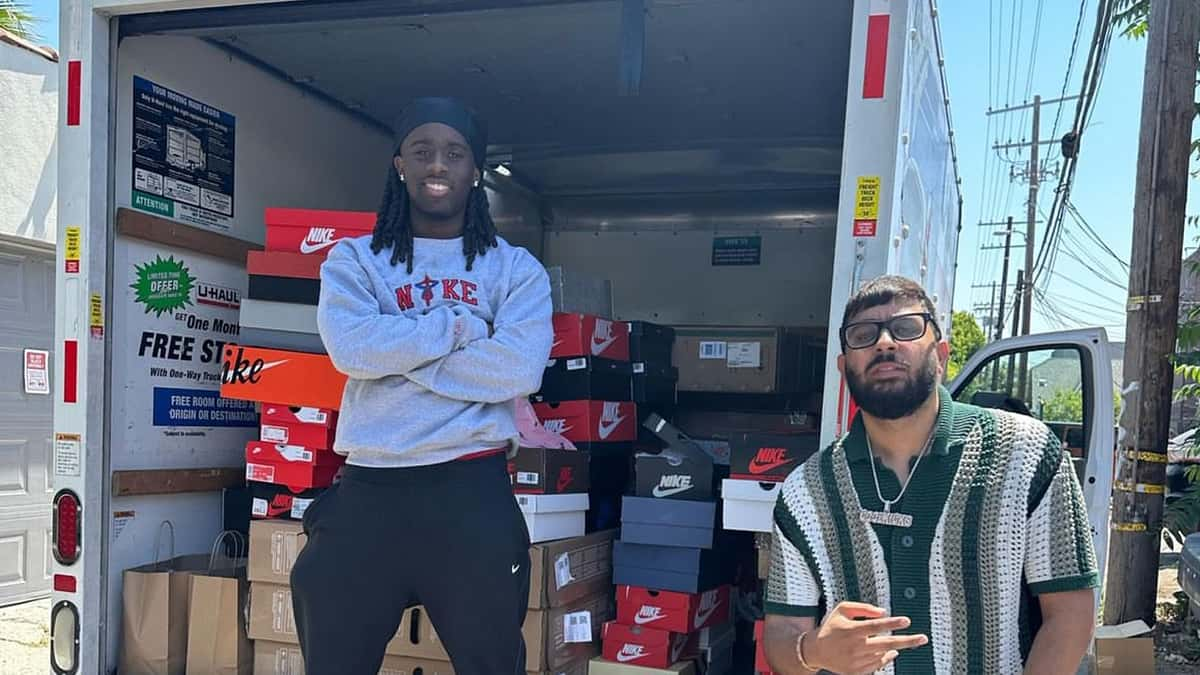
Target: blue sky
[1104,182]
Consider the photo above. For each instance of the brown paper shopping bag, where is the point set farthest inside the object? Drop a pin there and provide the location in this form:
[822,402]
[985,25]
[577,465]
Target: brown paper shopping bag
[154,613]
[217,642]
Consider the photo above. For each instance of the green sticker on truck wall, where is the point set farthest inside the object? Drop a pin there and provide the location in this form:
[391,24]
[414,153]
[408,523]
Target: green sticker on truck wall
[163,285]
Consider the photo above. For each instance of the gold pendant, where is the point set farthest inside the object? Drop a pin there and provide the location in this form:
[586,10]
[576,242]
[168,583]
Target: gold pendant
[886,518]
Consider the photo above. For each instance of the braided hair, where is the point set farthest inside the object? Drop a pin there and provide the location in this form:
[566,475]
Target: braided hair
[393,224]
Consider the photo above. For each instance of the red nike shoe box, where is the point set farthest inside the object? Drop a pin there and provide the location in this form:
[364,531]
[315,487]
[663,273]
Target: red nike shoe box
[578,335]
[590,421]
[294,466]
[769,458]
[641,646]
[314,232]
[278,413]
[305,435]
[549,471]
[670,611]
[280,264]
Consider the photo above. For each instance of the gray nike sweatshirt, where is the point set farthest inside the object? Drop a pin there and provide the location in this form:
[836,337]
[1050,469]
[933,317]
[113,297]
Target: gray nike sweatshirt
[427,384]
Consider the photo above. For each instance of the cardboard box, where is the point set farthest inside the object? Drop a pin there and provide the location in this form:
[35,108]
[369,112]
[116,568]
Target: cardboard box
[642,646]
[590,421]
[274,658]
[726,425]
[651,343]
[278,413]
[749,506]
[305,435]
[553,517]
[274,547]
[1127,648]
[602,666]
[268,500]
[288,378]
[588,335]
[585,378]
[743,360]
[672,611]
[574,293]
[279,316]
[284,289]
[546,632]
[272,620]
[313,232]
[280,264]
[549,471]
[281,339]
[296,467]
[666,522]
[770,457]
[669,568]
[562,572]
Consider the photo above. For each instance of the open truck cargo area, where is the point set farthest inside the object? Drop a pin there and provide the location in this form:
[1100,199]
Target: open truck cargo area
[725,168]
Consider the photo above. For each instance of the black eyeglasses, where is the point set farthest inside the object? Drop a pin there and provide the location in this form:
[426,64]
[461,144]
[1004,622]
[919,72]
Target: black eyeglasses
[902,328]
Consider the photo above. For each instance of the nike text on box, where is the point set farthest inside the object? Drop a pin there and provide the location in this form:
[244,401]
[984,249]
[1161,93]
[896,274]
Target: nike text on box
[585,335]
[549,471]
[669,475]
[672,611]
[311,232]
[590,421]
[770,457]
[291,465]
[288,378]
[268,500]
[585,378]
[749,506]
[636,645]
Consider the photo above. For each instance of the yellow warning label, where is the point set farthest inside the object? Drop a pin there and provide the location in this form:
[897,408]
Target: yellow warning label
[866,198]
[96,316]
[1144,488]
[72,246]
[1129,527]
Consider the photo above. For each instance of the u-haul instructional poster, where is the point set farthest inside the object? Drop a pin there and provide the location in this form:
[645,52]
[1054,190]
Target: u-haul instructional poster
[183,152]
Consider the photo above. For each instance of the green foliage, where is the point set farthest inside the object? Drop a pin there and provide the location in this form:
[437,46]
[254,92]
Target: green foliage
[1065,405]
[1132,17]
[16,18]
[966,337]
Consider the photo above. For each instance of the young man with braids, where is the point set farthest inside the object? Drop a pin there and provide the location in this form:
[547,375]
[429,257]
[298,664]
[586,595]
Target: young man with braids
[935,537]
[440,324]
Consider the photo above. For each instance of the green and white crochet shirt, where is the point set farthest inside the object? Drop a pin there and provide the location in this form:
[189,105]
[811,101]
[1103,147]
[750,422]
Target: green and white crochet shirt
[998,519]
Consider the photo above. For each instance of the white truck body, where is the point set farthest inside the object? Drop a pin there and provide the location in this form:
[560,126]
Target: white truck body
[846,175]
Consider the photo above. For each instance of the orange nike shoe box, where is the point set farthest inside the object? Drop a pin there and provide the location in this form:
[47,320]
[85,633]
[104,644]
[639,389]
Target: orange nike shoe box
[577,335]
[671,611]
[314,232]
[590,421]
[280,264]
[293,466]
[287,378]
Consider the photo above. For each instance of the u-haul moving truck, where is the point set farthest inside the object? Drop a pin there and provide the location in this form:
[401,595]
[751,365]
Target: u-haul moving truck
[636,135]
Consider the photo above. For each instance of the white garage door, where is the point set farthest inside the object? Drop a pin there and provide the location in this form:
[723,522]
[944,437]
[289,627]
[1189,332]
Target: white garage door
[26,322]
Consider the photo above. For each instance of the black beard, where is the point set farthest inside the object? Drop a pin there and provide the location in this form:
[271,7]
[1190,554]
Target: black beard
[893,403]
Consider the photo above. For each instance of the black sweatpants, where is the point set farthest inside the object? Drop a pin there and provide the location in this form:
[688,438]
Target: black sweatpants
[448,536]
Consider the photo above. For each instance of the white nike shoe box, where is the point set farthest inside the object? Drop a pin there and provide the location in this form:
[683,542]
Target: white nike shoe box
[553,517]
[749,505]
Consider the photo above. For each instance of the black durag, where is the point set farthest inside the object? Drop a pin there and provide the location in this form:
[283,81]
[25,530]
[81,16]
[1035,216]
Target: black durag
[451,112]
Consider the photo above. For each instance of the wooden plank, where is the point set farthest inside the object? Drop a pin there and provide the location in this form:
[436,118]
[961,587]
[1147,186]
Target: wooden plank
[174,481]
[145,226]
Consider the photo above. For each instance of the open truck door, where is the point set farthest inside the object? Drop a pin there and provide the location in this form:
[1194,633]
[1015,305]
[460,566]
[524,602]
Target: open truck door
[1065,380]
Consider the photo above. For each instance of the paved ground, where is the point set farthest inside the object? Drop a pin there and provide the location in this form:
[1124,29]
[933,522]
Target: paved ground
[25,638]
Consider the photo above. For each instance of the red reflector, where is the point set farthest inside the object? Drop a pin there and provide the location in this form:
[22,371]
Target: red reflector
[70,371]
[64,583]
[74,83]
[875,70]
[66,536]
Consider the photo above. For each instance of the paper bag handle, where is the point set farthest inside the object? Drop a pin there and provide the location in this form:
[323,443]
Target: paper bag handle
[170,528]
[239,548]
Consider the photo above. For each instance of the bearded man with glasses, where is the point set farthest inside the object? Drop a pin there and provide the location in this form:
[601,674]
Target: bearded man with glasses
[935,536]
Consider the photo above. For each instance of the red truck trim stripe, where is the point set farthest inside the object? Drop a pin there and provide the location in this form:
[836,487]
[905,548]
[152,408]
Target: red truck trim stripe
[875,70]
[70,371]
[74,83]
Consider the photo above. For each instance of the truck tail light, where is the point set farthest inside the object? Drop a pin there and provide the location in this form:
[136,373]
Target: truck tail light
[64,639]
[68,518]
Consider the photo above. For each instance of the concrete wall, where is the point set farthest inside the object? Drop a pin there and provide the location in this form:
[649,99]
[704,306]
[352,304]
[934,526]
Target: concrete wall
[28,139]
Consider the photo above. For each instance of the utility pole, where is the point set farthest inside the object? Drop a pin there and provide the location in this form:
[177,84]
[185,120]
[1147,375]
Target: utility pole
[1034,181]
[1016,326]
[992,309]
[1152,310]
[1004,277]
